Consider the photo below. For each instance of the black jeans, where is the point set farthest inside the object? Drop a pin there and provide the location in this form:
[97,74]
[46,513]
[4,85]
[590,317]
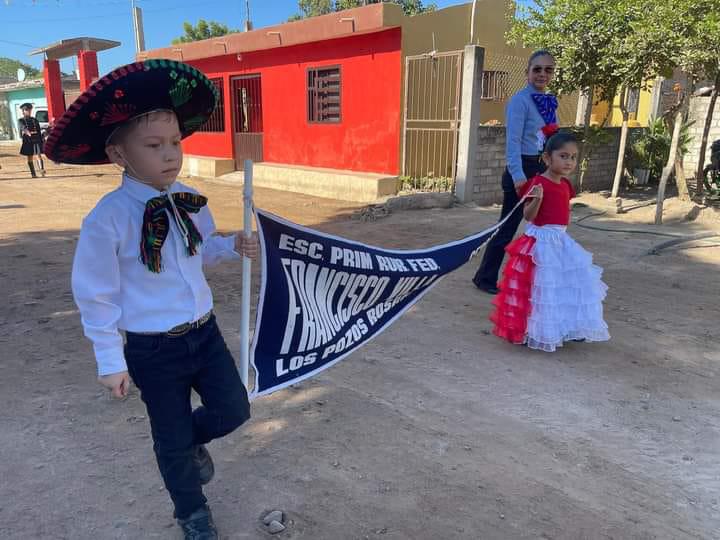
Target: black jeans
[165,369]
[487,274]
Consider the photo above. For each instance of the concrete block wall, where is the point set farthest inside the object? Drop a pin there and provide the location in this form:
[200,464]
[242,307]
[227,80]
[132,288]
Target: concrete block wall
[602,163]
[697,113]
[490,164]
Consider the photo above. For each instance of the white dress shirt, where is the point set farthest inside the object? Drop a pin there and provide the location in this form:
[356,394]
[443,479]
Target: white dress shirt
[116,291]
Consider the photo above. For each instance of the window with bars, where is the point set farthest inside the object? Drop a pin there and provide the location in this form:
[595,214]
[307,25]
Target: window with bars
[494,85]
[633,100]
[323,95]
[216,122]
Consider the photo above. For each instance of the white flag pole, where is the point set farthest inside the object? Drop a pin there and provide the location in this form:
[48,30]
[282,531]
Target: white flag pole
[246,275]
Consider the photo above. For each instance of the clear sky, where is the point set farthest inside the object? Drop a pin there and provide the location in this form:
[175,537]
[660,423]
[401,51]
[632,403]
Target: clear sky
[27,24]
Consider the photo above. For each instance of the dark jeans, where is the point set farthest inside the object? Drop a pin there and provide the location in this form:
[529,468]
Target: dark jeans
[165,369]
[487,274]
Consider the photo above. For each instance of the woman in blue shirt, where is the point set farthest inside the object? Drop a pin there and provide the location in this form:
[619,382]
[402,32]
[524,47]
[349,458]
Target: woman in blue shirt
[529,118]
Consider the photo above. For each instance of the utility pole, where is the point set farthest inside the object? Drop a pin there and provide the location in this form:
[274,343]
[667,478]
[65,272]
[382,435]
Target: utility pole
[248,22]
[138,27]
[472,23]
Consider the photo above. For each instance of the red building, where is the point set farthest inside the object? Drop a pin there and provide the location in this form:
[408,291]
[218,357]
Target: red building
[323,92]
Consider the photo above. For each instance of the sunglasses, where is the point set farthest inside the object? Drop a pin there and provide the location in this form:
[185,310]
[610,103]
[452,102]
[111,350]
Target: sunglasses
[548,69]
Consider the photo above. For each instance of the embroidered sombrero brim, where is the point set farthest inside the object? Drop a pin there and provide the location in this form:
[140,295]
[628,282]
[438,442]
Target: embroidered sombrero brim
[130,91]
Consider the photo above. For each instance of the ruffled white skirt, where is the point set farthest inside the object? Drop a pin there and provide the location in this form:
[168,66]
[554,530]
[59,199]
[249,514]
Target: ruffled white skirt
[551,292]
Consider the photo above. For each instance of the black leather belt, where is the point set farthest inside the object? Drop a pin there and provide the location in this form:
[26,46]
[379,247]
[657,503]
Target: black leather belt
[180,329]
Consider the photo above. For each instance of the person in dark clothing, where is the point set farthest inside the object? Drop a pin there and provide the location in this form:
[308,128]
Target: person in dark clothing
[32,142]
[530,119]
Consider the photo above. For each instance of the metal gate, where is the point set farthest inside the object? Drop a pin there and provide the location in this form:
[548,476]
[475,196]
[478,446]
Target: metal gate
[247,119]
[432,116]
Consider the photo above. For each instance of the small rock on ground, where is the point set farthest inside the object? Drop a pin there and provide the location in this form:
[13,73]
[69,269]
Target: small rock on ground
[275,515]
[275,527]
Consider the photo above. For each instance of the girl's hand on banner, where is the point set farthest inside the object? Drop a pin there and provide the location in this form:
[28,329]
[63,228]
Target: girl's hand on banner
[247,246]
[536,192]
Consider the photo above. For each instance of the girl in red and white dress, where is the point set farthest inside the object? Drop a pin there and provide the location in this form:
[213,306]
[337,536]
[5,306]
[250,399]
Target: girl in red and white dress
[550,292]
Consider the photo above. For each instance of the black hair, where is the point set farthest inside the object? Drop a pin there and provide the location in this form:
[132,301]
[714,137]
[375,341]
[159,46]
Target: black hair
[538,54]
[557,141]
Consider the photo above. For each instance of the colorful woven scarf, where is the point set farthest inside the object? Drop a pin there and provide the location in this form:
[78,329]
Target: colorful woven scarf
[547,105]
[156,225]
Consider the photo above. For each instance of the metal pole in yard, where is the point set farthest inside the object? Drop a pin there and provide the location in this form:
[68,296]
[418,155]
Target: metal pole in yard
[246,275]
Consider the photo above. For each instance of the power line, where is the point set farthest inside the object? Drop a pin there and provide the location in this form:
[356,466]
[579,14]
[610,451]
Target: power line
[19,44]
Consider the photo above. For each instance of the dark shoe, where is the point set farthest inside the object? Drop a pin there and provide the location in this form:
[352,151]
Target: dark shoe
[199,525]
[32,170]
[485,287]
[205,465]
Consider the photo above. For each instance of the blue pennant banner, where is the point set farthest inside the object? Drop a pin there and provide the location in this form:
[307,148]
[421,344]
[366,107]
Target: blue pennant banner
[322,297]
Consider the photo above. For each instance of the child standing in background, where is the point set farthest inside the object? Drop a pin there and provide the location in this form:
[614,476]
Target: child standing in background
[551,292]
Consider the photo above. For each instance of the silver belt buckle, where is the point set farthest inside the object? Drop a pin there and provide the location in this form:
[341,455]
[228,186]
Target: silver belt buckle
[184,328]
[179,330]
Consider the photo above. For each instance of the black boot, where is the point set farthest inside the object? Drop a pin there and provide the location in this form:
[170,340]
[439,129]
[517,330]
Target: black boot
[199,525]
[204,463]
[32,169]
[42,167]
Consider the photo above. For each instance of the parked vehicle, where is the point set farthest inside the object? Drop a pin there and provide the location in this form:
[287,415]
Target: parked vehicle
[711,176]
[41,115]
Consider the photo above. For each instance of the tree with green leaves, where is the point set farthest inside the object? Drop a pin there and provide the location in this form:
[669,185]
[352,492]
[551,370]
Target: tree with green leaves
[9,67]
[579,36]
[313,8]
[696,27]
[203,30]
[650,49]
[604,45]
[700,57]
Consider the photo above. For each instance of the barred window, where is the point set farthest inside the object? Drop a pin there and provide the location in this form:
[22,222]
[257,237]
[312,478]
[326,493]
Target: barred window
[323,95]
[216,122]
[494,85]
[633,100]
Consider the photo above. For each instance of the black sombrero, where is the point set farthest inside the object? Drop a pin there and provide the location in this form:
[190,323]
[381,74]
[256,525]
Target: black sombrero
[128,92]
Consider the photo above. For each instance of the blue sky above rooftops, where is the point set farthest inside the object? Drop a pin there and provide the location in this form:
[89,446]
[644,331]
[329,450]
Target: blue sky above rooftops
[28,24]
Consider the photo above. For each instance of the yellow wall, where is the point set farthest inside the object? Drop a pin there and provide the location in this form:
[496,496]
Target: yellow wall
[448,29]
[451,28]
[639,119]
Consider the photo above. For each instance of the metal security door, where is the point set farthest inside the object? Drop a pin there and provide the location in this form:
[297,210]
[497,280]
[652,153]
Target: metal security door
[247,119]
[432,115]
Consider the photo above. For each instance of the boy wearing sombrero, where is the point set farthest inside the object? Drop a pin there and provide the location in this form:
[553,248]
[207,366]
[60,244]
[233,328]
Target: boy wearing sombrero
[138,269]
[32,141]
